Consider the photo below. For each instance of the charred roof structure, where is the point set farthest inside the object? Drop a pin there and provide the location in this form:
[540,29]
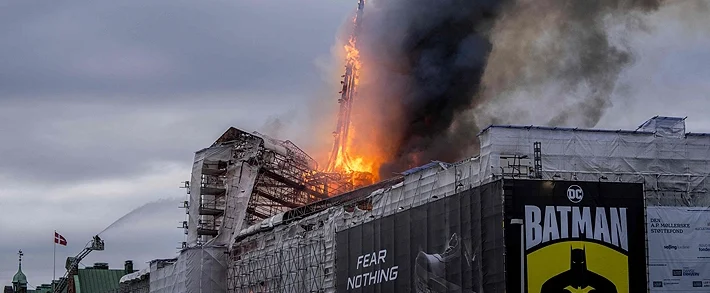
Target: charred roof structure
[244,178]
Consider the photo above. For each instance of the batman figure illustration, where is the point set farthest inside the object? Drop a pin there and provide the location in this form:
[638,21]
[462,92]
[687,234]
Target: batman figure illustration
[578,279]
[446,271]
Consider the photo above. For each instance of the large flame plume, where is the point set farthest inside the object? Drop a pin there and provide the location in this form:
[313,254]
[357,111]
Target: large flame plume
[357,159]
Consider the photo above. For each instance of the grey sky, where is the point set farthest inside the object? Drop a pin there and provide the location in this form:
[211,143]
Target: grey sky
[164,47]
[102,104]
[671,73]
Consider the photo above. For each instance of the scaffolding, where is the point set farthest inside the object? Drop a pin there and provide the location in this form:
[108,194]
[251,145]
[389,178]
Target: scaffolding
[296,264]
[244,178]
[295,251]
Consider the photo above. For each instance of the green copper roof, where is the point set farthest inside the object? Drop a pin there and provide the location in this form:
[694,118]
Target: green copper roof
[92,280]
[19,280]
[19,277]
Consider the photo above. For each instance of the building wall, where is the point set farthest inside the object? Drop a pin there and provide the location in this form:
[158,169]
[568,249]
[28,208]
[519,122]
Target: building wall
[300,256]
[674,170]
[197,269]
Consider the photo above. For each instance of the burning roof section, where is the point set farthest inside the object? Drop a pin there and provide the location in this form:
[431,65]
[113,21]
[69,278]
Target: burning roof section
[244,178]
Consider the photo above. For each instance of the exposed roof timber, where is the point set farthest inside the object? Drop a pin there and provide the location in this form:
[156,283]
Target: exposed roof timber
[230,135]
[276,199]
[354,196]
[294,185]
[348,197]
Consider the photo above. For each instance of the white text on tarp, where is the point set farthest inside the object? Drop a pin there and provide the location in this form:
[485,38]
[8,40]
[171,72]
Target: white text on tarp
[376,276]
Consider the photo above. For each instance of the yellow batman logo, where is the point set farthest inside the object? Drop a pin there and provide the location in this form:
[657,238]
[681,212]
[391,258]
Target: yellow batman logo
[579,290]
[578,279]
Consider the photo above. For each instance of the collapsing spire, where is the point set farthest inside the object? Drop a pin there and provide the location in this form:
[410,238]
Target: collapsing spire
[339,160]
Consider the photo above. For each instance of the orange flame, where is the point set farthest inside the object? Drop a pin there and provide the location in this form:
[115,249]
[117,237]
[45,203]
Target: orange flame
[353,57]
[358,155]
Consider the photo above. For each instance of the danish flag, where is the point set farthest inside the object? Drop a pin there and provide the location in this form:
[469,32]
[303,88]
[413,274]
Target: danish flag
[59,239]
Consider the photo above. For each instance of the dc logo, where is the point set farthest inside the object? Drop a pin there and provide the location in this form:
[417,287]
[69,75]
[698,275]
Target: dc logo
[575,193]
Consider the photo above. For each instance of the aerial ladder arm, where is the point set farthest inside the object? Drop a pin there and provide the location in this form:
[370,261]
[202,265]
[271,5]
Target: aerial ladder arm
[72,263]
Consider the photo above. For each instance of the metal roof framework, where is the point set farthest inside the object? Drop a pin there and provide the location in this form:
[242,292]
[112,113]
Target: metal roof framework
[269,176]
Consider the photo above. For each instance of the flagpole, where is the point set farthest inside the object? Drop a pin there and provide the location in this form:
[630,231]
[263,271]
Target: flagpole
[54,266]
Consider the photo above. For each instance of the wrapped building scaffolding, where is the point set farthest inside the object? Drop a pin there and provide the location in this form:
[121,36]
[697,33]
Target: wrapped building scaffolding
[240,180]
[244,178]
[296,251]
[307,240]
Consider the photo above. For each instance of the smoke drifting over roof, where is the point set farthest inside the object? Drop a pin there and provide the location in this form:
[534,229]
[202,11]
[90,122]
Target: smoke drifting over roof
[436,71]
[557,62]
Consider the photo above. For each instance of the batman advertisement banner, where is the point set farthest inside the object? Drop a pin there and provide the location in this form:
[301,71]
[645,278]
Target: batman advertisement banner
[434,247]
[575,237]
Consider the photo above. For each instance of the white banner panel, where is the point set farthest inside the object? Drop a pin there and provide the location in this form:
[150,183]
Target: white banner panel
[679,249]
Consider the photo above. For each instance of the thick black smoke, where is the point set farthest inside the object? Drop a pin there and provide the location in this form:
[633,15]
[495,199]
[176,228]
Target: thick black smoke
[430,80]
[424,60]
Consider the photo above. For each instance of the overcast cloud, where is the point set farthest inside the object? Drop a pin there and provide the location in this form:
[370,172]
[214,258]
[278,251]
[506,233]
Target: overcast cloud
[671,73]
[103,103]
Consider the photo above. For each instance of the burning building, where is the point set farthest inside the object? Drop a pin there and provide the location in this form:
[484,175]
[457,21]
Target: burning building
[520,206]
[538,209]
[518,217]
[242,179]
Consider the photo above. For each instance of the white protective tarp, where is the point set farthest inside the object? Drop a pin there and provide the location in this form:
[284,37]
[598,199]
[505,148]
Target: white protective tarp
[678,249]
[426,185]
[197,269]
[665,126]
[217,153]
[135,275]
[241,180]
[167,276]
[674,169]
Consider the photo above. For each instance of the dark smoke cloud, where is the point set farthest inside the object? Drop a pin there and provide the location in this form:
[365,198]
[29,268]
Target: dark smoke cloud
[423,63]
[437,71]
